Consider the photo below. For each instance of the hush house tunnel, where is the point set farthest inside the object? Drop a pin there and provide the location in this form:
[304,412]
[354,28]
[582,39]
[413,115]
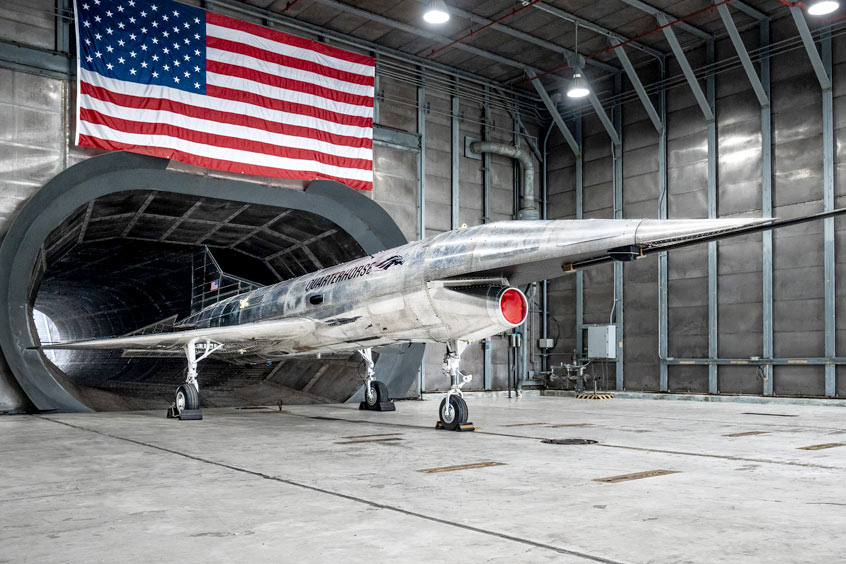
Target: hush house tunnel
[114,244]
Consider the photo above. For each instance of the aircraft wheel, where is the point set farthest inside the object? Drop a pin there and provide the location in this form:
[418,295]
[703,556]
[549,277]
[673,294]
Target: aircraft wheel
[187,397]
[378,394]
[453,414]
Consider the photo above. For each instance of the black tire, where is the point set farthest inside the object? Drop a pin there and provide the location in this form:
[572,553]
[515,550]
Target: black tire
[459,413]
[187,397]
[381,395]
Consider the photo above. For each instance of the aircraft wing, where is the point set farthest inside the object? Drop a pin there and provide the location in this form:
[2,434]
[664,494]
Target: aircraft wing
[232,337]
[561,247]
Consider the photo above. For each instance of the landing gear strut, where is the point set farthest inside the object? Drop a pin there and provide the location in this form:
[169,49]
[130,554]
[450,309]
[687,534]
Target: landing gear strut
[186,404]
[453,410]
[376,397]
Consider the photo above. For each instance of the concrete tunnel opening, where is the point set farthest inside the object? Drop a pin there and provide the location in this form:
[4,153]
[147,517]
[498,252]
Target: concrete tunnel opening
[123,260]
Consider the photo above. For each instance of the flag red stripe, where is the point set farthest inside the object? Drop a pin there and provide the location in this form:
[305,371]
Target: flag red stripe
[223,141]
[163,104]
[285,61]
[288,84]
[283,106]
[217,164]
[278,36]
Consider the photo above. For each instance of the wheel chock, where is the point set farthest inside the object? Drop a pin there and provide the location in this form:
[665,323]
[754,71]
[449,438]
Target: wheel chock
[381,406]
[191,414]
[171,412]
[465,428]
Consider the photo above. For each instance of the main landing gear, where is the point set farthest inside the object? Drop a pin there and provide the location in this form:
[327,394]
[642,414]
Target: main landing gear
[453,410]
[187,400]
[376,396]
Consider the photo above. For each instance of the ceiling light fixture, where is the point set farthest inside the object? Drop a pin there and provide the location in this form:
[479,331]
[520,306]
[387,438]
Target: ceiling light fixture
[579,87]
[436,13]
[823,7]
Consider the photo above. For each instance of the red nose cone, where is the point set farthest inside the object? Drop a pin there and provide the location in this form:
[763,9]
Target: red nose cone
[513,305]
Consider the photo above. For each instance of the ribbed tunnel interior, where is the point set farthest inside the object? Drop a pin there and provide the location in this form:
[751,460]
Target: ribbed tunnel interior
[124,261]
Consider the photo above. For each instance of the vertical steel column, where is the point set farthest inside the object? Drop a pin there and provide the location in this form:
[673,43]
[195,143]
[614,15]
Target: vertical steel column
[713,387]
[663,373]
[617,150]
[421,189]
[580,285]
[376,85]
[63,25]
[486,217]
[828,225]
[454,152]
[767,205]
[421,160]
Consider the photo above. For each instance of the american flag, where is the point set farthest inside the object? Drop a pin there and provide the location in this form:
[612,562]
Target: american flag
[170,80]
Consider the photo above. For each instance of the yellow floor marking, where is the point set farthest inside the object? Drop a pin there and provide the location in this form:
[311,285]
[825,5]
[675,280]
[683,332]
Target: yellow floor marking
[571,425]
[368,441]
[374,435]
[461,467]
[822,446]
[523,424]
[747,434]
[635,476]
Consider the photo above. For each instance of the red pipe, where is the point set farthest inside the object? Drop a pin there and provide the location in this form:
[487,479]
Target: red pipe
[472,32]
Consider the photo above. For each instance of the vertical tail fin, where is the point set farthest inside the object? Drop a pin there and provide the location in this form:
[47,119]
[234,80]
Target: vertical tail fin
[209,284]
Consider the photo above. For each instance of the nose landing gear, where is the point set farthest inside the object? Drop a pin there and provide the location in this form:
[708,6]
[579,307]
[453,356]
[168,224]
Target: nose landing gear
[453,411]
[376,397]
[186,405]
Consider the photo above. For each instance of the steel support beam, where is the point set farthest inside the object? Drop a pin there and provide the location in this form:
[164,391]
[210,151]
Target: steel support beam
[644,7]
[663,335]
[455,151]
[767,205]
[685,66]
[486,218]
[613,35]
[421,162]
[600,113]
[553,111]
[713,323]
[402,26]
[811,48]
[534,40]
[617,150]
[734,35]
[421,192]
[580,287]
[828,225]
[822,68]
[638,85]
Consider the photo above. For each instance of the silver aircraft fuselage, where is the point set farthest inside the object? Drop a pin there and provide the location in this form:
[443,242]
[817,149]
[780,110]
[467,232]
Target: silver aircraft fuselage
[456,285]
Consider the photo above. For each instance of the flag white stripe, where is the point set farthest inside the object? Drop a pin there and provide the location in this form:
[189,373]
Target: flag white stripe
[202,101]
[223,154]
[258,88]
[288,50]
[291,73]
[229,130]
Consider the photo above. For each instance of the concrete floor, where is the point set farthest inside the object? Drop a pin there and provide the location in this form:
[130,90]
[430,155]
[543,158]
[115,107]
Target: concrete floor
[264,486]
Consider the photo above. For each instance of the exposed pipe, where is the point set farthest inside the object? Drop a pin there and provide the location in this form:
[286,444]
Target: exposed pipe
[528,208]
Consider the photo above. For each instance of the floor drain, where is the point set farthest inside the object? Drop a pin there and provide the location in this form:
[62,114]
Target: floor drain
[568,442]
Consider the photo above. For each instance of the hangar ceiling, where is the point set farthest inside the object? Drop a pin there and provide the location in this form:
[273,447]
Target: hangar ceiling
[498,39]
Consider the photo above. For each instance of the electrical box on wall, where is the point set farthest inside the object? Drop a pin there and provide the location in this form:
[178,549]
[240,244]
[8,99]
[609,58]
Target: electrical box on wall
[601,340]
